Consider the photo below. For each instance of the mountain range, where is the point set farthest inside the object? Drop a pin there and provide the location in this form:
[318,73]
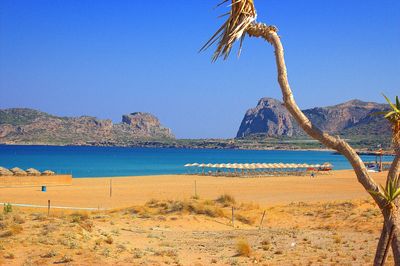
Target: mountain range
[352,119]
[28,126]
[266,126]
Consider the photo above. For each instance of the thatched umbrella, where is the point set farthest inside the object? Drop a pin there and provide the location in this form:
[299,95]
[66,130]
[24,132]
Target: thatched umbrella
[48,172]
[32,172]
[241,167]
[18,171]
[5,172]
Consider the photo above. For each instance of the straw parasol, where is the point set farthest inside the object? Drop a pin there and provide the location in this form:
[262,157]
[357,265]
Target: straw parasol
[18,171]
[48,172]
[5,172]
[265,165]
[33,172]
[259,165]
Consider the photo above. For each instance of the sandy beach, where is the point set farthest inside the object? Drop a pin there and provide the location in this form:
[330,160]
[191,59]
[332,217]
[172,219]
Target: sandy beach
[128,191]
[152,220]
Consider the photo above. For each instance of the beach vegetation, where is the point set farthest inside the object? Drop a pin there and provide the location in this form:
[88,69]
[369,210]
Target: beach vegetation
[77,217]
[18,219]
[393,116]
[7,208]
[109,240]
[9,256]
[266,245]
[226,200]
[244,219]
[243,248]
[13,230]
[50,254]
[389,193]
[65,259]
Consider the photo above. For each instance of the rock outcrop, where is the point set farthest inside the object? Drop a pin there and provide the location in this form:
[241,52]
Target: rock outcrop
[269,117]
[27,126]
[353,118]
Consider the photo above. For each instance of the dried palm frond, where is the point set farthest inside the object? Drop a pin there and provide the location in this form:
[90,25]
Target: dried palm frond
[242,14]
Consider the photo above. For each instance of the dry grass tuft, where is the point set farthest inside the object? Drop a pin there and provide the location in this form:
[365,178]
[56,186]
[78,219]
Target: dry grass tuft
[77,217]
[226,200]
[207,208]
[243,248]
[13,230]
[244,219]
[109,240]
[18,219]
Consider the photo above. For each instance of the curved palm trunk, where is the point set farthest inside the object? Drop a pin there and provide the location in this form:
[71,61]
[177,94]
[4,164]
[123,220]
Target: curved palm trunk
[269,33]
[241,21]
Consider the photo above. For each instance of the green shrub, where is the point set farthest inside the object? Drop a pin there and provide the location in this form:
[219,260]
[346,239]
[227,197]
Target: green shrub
[7,208]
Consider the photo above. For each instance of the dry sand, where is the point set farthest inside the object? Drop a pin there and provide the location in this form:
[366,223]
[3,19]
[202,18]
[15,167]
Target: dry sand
[128,191]
[327,220]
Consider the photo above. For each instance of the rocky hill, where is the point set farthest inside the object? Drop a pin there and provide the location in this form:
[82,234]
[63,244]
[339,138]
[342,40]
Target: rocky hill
[352,119]
[28,126]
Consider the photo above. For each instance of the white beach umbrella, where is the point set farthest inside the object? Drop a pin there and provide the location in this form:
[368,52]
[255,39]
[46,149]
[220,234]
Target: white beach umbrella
[188,164]
[265,165]
[195,164]
[209,165]
[259,165]
[201,165]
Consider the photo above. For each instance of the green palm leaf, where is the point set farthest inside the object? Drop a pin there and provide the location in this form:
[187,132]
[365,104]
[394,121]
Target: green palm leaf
[394,107]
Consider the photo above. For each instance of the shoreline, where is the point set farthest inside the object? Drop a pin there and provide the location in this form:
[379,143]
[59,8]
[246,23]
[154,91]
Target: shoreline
[359,151]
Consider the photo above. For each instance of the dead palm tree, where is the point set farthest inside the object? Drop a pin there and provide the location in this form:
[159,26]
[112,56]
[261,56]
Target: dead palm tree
[241,22]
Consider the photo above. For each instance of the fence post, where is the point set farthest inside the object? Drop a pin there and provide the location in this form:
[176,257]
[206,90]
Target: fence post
[262,219]
[195,189]
[110,188]
[48,207]
[233,217]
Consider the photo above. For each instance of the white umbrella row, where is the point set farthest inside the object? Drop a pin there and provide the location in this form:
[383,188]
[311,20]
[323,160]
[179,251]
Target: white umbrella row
[258,165]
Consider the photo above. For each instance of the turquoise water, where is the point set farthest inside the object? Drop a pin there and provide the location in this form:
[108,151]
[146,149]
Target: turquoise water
[119,161]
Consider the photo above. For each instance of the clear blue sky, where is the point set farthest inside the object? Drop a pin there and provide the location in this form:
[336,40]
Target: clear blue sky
[108,58]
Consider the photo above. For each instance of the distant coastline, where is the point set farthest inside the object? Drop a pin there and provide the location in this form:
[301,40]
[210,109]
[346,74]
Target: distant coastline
[161,145]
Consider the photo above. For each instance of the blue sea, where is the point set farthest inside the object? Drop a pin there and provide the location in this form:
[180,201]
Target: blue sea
[81,161]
